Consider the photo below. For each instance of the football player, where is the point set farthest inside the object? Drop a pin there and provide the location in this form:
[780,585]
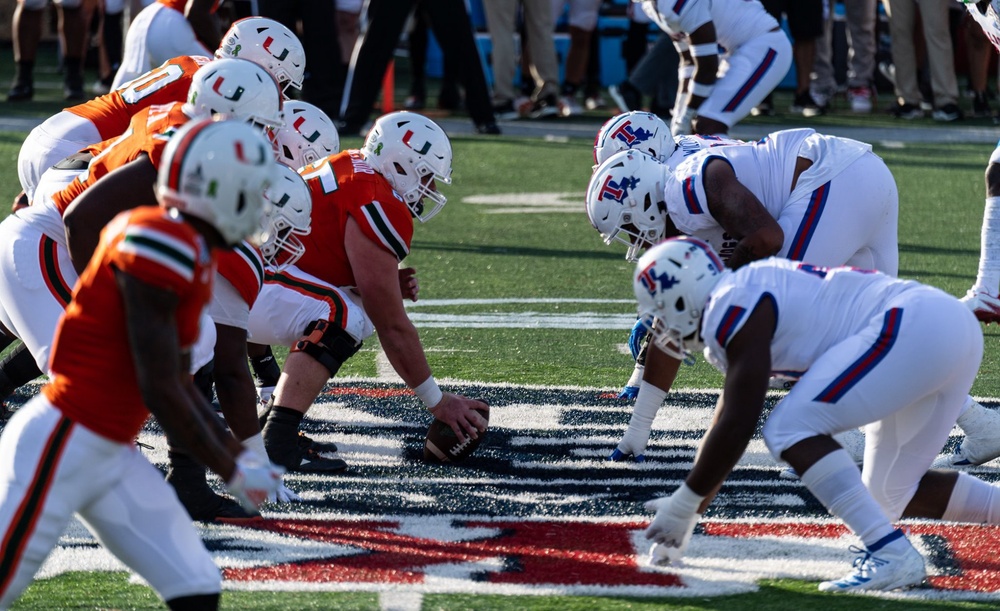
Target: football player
[984,296]
[263,41]
[31,304]
[135,312]
[797,197]
[347,284]
[895,356]
[646,132]
[757,57]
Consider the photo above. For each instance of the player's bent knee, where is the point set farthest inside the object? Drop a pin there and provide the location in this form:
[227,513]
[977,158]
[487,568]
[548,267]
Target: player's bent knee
[330,345]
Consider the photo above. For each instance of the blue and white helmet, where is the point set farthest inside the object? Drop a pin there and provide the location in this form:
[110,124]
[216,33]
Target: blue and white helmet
[625,201]
[636,130]
[672,284]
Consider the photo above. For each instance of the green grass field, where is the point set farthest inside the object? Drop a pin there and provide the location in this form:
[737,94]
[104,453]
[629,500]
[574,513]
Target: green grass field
[485,251]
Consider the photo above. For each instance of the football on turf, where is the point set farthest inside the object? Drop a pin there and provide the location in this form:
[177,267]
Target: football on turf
[442,446]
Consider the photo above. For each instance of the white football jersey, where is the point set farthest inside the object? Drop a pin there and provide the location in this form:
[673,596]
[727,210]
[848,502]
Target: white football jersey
[688,145]
[816,308]
[736,21]
[990,21]
[766,168]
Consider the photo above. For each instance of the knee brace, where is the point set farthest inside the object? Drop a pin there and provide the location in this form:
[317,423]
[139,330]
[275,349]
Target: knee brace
[328,344]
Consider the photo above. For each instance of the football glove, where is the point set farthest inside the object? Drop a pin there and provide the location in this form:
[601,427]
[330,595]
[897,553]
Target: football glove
[636,337]
[680,125]
[673,524]
[633,444]
[284,494]
[254,480]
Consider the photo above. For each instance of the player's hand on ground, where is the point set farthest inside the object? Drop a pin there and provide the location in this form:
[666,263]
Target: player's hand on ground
[672,526]
[460,414]
[632,445]
[629,393]
[254,480]
[409,286]
[284,494]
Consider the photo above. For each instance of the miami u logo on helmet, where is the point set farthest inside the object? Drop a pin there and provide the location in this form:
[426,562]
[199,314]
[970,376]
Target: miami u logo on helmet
[406,141]
[267,44]
[299,121]
[217,86]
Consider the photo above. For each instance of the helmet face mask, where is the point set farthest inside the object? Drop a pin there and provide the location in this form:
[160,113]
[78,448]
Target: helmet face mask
[269,44]
[288,217]
[218,171]
[673,282]
[236,89]
[414,155]
[625,201]
[635,130]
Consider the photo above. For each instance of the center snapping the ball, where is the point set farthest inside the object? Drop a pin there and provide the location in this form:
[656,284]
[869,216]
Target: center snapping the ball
[443,446]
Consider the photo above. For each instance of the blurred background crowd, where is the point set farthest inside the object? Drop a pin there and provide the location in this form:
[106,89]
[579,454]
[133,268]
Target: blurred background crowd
[501,60]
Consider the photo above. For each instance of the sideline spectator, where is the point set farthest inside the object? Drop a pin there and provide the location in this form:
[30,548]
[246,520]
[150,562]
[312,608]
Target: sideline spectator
[860,16]
[940,58]
[452,26]
[27,32]
[539,26]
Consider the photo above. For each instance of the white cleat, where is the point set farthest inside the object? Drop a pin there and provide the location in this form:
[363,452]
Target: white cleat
[882,570]
[986,307]
[981,426]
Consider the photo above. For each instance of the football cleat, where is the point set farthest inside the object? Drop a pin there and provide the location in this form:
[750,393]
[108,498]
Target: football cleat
[883,570]
[986,307]
[982,437]
[618,456]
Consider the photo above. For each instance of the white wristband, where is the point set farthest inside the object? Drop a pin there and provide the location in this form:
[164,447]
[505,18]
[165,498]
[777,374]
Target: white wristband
[701,90]
[686,500]
[256,445]
[429,392]
[704,49]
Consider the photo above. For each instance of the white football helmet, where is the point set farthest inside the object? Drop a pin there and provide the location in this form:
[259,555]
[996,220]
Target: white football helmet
[236,89]
[672,284]
[308,135]
[267,43]
[218,171]
[289,216]
[412,153]
[638,130]
[625,201]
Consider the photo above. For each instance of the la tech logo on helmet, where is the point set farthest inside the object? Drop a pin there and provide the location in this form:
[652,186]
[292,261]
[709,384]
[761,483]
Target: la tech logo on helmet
[649,279]
[629,136]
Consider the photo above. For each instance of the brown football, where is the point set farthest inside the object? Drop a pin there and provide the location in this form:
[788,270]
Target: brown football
[442,446]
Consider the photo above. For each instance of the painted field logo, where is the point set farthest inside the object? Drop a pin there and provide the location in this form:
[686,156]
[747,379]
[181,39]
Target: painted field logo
[537,509]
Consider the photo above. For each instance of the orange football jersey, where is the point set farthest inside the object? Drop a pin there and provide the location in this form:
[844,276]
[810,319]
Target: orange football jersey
[243,267]
[169,83]
[344,186]
[148,132]
[93,376]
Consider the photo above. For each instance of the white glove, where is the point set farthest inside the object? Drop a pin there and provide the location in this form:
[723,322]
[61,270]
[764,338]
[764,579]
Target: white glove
[673,524]
[680,124]
[254,480]
[633,443]
[284,494]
